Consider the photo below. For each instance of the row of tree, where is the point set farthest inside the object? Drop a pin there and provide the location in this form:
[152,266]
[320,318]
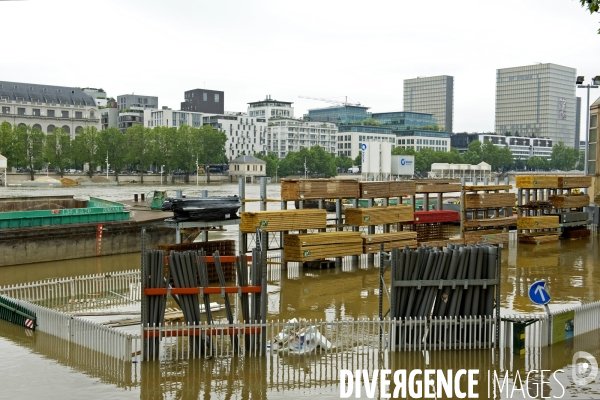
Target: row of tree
[500,158]
[139,148]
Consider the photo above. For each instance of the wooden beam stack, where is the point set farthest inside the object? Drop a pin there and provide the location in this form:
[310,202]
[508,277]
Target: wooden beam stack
[542,222]
[570,201]
[394,240]
[316,246]
[379,215]
[283,220]
[537,181]
[489,200]
[385,189]
[487,236]
[303,189]
[572,182]
[437,185]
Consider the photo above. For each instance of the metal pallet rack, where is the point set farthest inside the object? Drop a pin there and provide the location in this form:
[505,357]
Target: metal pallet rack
[486,212]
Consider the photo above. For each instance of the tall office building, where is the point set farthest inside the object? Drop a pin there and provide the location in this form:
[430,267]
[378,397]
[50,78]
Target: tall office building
[204,101]
[431,95]
[537,100]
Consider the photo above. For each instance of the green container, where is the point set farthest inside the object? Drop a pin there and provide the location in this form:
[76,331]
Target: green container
[97,211]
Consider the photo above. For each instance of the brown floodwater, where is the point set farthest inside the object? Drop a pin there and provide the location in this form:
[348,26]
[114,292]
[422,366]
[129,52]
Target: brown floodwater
[63,371]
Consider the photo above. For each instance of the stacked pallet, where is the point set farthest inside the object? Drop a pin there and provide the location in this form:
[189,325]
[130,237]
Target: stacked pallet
[303,189]
[574,182]
[570,201]
[541,222]
[437,185]
[537,181]
[489,200]
[487,211]
[316,246]
[379,215]
[487,236]
[385,189]
[283,220]
[394,240]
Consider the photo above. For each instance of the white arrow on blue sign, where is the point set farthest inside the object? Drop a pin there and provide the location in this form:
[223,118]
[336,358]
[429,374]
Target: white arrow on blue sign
[538,293]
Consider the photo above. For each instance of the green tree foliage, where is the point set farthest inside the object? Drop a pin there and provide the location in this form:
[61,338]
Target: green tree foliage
[111,144]
[371,121]
[593,6]
[536,163]
[31,147]
[358,159]
[474,153]
[563,158]
[581,162]
[499,158]
[343,161]
[431,128]
[318,163]
[139,147]
[85,149]
[10,147]
[57,150]
[272,163]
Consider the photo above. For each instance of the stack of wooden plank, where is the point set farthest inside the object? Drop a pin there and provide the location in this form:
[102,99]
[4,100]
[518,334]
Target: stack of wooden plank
[283,220]
[437,185]
[487,236]
[393,240]
[316,246]
[489,222]
[537,181]
[303,189]
[541,222]
[489,200]
[374,189]
[539,237]
[402,188]
[443,243]
[570,201]
[427,217]
[379,215]
[571,182]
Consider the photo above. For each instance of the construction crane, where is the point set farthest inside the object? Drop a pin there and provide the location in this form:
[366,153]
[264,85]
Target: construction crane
[341,103]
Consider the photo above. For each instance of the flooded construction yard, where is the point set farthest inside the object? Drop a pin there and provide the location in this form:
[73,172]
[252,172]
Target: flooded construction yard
[349,292]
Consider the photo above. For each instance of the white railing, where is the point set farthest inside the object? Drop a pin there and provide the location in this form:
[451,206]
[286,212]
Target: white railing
[82,292]
[180,341]
[91,335]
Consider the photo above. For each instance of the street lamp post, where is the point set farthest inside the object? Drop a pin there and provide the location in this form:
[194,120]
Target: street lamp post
[161,172]
[197,166]
[107,165]
[47,168]
[594,85]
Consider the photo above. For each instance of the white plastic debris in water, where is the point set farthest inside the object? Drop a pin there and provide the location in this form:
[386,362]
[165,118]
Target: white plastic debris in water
[299,340]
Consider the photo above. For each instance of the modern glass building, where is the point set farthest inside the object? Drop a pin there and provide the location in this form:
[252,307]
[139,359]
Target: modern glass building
[344,114]
[403,121]
[537,101]
[431,95]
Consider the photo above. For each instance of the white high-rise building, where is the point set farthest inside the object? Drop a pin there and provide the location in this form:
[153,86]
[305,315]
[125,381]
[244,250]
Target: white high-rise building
[245,135]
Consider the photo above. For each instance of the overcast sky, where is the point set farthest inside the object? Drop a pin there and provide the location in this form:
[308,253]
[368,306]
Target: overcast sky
[325,49]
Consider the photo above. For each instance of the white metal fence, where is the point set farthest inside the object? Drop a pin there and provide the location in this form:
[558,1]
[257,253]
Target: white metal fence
[80,293]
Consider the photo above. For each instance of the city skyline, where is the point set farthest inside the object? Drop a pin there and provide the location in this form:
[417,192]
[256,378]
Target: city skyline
[295,49]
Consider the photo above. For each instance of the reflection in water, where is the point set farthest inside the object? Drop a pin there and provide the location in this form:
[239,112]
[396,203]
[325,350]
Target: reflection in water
[345,292]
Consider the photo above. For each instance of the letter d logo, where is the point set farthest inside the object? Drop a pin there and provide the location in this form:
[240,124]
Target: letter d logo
[584,373]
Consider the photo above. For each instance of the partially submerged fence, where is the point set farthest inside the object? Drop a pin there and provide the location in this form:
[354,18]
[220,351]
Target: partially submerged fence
[82,292]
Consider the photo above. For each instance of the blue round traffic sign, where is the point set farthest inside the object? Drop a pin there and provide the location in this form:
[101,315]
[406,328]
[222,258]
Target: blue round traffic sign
[363,146]
[538,293]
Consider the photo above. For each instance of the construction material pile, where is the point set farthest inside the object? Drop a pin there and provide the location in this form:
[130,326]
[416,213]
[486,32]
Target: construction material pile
[394,240]
[316,246]
[283,220]
[303,189]
[379,215]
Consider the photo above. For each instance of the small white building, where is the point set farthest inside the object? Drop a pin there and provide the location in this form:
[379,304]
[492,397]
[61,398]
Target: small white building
[170,118]
[457,171]
[522,148]
[287,134]
[248,167]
